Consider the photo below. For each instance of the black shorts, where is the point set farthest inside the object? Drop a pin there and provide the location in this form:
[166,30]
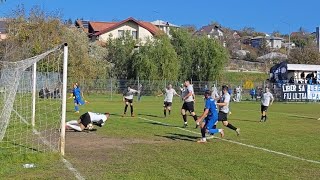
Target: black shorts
[167,104]
[188,106]
[222,116]
[128,100]
[264,108]
[85,119]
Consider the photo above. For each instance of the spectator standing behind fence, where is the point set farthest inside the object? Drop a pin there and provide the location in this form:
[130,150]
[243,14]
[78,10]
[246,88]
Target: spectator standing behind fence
[252,93]
[238,94]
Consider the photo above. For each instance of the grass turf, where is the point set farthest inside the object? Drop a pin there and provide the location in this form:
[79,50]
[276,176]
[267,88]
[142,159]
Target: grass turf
[167,152]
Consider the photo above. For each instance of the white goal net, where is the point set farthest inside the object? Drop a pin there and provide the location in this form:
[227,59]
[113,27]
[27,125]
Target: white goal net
[31,100]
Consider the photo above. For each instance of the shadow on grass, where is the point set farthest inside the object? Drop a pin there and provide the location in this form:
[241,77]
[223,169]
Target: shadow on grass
[159,124]
[150,115]
[302,117]
[180,137]
[246,120]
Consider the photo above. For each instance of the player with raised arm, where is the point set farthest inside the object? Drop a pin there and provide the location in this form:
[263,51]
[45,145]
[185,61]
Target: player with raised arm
[188,103]
[266,101]
[77,95]
[88,119]
[169,93]
[209,118]
[128,99]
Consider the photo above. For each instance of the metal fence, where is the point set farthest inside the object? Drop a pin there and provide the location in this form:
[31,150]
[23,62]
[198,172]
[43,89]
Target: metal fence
[112,87]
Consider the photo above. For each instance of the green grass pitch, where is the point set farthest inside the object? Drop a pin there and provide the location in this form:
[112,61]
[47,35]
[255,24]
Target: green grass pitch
[149,146]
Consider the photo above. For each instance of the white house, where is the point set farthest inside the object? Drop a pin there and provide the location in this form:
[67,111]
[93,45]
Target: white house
[140,30]
[164,26]
[272,42]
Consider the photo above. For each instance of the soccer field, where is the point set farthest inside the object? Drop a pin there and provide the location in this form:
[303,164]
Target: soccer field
[149,146]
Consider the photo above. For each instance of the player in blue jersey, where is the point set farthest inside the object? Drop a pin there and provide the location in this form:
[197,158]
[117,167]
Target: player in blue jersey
[209,118]
[78,97]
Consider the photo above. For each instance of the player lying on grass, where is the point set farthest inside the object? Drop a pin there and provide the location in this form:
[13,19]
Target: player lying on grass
[209,118]
[86,120]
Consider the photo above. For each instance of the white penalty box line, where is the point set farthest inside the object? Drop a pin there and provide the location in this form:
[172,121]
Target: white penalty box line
[235,142]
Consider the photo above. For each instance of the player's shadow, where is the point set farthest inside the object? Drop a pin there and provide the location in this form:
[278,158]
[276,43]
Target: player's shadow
[301,117]
[150,115]
[246,120]
[179,137]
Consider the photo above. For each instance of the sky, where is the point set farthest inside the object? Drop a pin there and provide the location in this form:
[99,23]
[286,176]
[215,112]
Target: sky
[264,16]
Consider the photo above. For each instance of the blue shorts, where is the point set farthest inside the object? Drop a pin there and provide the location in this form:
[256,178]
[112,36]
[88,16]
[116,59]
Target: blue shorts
[79,101]
[210,122]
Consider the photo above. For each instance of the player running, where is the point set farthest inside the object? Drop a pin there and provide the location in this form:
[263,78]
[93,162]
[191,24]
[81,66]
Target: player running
[224,110]
[169,93]
[86,119]
[209,117]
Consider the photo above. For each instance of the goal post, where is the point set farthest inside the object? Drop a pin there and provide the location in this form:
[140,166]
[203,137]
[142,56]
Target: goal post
[33,102]
[64,99]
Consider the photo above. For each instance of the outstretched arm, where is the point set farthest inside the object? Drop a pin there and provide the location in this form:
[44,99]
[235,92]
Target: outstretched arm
[204,114]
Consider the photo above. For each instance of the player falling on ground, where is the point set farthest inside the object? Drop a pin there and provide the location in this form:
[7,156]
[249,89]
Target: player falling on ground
[87,118]
[209,118]
[266,101]
[128,99]
[188,103]
[77,95]
[224,110]
[169,93]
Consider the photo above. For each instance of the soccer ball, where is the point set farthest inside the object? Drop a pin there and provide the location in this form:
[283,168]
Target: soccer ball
[90,126]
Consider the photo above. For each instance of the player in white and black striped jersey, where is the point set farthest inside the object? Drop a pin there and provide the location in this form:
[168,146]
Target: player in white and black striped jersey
[169,93]
[128,99]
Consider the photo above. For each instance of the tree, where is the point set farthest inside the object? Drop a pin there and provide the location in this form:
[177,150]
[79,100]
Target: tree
[37,32]
[157,59]
[182,42]
[307,55]
[209,59]
[119,54]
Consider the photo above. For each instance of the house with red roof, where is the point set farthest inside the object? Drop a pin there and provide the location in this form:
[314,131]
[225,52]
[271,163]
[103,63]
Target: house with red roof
[140,30]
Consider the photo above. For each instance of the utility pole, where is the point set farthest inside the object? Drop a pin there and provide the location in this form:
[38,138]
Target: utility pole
[289,46]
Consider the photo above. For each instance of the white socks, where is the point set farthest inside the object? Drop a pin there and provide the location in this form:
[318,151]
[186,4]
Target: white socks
[74,125]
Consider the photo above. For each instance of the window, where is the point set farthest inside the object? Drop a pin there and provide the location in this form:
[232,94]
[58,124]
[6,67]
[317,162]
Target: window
[120,33]
[134,35]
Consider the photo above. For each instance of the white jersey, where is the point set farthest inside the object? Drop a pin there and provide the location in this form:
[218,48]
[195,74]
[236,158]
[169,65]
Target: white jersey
[129,93]
[265,99]
[214,93]
[225,98]
[96,117]
[238,90]
[169,95]
[187,91]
